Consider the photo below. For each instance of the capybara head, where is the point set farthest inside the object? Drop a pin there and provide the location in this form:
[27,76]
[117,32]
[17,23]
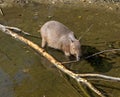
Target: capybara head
[75,49]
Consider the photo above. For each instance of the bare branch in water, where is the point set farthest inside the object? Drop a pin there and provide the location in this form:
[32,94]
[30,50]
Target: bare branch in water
[99,76]
[104,51]
[68,62]
[21,31]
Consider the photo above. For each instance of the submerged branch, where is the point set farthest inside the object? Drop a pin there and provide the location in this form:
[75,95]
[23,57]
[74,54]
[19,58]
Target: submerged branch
[88,84]
[59,65]
[21,31]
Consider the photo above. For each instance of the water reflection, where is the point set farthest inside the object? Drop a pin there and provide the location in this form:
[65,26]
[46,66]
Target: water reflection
[20,76]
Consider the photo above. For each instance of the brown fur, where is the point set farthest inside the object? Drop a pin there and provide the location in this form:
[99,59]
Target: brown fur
[58,36]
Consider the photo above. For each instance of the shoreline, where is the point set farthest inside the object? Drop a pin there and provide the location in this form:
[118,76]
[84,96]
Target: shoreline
[110,5]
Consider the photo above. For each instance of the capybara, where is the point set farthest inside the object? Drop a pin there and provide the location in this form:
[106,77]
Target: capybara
[58,36]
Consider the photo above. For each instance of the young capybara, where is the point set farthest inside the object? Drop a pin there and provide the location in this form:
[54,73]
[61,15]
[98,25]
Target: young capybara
[58,36]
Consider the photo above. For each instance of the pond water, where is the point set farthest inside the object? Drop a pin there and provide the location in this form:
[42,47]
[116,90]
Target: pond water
[25,73]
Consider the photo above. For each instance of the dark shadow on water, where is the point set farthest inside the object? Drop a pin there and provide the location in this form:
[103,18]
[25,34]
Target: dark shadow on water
[98,62]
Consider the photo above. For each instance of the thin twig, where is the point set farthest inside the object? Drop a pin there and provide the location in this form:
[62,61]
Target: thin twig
[105,77]
[17,29]
[85,32]
[104,51]
[21,31]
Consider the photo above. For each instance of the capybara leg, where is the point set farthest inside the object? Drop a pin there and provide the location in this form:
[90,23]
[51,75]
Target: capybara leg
[43,42]
[67,53]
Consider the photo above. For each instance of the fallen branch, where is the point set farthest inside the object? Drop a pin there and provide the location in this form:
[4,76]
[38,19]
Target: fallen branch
[59,65]
[104,51]
[99,76]
[21,31]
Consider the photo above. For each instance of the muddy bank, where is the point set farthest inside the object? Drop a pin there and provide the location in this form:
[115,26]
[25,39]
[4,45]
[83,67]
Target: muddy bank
[111,5]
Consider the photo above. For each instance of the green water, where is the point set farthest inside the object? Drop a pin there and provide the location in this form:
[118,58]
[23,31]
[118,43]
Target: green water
[25,73]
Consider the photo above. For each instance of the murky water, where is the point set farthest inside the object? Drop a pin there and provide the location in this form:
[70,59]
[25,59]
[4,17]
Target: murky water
[24,73]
